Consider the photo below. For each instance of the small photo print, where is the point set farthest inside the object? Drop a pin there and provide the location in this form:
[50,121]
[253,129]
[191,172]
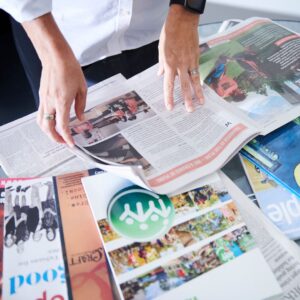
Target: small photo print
[108,119]
[30,215]
[209,195]
[233,244]
[118,150]
[107,232]
[183,204]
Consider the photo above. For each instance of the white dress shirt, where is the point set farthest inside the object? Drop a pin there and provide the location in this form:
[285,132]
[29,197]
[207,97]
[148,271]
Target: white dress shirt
[96,29]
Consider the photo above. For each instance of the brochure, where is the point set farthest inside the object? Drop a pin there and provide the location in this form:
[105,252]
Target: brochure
[277,203]
[43,259]
[207,246]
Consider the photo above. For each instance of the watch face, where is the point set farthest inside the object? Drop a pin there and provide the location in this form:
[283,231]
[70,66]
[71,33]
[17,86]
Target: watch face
[197,5]
[139,214]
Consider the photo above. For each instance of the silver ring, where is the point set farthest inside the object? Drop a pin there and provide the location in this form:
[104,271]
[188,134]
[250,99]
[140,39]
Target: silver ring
[194,72]
[49,117]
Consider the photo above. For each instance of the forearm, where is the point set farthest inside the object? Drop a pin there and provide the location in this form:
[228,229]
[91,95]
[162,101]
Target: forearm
[47,39]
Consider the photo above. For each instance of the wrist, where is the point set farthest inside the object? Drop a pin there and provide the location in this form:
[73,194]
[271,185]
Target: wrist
[178,15]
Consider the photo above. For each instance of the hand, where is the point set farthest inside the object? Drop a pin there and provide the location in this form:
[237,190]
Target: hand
[62,80]
[179,54]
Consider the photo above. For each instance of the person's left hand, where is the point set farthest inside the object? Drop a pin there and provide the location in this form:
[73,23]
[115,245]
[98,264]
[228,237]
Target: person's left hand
[179,55]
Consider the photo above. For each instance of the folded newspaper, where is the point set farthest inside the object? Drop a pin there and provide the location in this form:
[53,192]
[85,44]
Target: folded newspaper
[251,85]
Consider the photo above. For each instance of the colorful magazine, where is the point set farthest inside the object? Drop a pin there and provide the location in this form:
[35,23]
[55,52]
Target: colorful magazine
[3,182]
[43,258]
[277,203]
[278,154]
[207,244]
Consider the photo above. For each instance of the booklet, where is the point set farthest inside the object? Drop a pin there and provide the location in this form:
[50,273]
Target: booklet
[206,248]
[277,203]
[277,154]
[52,249]
[252,86]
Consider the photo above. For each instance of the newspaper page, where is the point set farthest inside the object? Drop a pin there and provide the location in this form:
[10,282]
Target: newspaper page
[25,151]
[134,128]
[282,254]
[255,67]
[207,246]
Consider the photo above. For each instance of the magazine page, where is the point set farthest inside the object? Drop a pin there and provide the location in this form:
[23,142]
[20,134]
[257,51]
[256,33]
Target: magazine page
[86,260]
[134,128]
[33,265]
[207,246]
[278,204]
[25,151]
[282,254]
[278,155]
[254,66]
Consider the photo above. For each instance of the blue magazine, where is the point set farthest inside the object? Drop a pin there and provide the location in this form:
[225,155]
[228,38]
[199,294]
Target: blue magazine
[277,203]
[278,154]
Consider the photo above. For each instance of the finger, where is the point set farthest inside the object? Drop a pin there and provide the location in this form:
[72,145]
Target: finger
[186,89]
[160,71]
[48,126]
[80,102]
[169,79]
[195,80]
[62,121]
[160,64]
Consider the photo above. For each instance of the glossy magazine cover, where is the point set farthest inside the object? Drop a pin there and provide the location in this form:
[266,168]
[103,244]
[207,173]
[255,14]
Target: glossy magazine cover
[278,154]
[277,203]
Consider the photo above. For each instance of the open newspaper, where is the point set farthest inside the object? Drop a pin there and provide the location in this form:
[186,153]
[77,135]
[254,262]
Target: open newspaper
[252,86]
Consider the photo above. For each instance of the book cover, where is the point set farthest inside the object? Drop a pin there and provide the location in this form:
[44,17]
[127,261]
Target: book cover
[207,246]
[278,154]
[86,260]
[277,203]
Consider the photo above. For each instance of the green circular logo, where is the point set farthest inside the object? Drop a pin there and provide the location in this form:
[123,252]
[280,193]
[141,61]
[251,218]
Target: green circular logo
[139,214]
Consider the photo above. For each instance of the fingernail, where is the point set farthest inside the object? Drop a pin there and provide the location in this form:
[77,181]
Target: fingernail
[169,106]
[189,108]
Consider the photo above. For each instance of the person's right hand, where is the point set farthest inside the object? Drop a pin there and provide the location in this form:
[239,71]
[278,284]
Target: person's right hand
[62,81]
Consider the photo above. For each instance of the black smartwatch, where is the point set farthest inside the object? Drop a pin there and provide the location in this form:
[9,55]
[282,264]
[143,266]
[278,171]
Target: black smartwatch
[196,6]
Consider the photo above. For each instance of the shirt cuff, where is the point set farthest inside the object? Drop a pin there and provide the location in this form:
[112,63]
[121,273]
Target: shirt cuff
[26,10]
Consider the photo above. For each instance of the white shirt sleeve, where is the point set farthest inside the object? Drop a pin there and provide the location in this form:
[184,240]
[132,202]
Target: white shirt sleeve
[26,10]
